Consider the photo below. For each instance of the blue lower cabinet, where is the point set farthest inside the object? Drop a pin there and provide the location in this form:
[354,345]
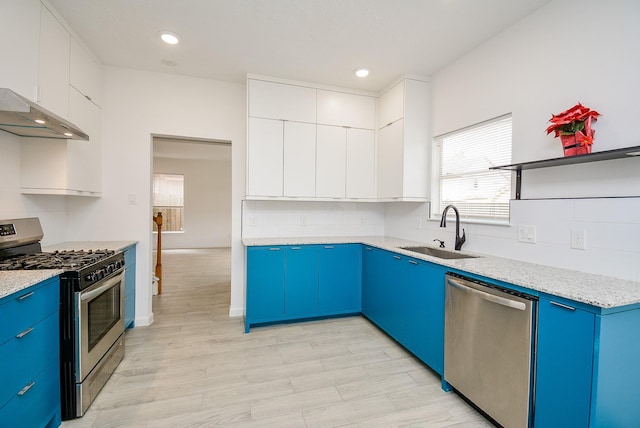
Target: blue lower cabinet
[130,287]
[30,356]
[564,365]
[265,285]
[373,261]
[301,282]
[425,312]
[339,278]
[286,283]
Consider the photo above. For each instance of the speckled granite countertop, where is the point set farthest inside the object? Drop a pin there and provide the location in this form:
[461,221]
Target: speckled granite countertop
[597,290]
[17,280]
[91,245]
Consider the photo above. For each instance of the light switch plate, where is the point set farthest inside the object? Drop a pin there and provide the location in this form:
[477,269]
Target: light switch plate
[527,233]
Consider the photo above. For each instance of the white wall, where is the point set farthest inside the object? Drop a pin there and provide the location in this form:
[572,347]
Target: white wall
[137,105]
[50,209]
[207,202]
[568,51]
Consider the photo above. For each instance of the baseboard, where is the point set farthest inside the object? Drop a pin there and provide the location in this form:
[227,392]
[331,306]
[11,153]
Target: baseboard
[144,321]
[236,312]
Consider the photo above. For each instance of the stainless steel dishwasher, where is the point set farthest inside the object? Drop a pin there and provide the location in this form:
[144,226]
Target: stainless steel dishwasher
[489,348]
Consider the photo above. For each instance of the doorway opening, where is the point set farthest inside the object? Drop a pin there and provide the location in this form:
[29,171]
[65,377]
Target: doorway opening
[201,203]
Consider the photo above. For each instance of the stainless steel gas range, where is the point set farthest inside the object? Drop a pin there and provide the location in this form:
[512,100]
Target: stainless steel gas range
[91,309]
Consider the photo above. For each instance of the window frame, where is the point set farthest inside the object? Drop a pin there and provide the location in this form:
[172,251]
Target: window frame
[165,217]
[435,213]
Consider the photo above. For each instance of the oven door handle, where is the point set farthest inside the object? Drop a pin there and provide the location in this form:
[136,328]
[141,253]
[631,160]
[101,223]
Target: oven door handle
[88,295]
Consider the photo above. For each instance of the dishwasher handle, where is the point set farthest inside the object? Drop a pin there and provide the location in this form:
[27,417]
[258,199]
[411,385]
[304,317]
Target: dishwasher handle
[487,296]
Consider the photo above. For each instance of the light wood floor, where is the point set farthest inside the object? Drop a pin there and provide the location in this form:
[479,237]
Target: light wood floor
[195,367]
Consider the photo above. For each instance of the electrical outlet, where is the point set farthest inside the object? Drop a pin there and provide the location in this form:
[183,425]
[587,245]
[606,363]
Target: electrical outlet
[579,239]
[527,234]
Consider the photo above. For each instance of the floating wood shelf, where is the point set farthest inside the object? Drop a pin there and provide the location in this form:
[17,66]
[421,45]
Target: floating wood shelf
[568,160]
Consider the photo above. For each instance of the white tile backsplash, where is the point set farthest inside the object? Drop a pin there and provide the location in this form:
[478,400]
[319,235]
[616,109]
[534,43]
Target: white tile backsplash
[264,219]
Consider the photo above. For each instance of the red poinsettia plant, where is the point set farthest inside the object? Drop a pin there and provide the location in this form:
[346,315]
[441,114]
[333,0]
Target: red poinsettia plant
[573,126]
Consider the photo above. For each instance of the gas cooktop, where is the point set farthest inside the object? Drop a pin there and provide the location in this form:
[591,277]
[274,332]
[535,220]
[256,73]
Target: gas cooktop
[66,260]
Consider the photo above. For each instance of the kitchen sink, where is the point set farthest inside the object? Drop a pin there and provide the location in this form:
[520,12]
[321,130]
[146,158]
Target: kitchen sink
[437,252]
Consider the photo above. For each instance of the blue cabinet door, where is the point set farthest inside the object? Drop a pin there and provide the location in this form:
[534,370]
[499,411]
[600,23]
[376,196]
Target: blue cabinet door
[130,287]
[265,285]
[370,281]
[564,365]
[425,312]
[339,276]
[394,297]
[301,281]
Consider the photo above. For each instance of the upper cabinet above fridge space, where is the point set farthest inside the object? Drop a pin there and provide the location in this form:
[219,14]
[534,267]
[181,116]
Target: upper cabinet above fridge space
[303,142]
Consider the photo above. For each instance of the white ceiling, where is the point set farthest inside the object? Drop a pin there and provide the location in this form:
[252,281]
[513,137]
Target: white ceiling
[319,41]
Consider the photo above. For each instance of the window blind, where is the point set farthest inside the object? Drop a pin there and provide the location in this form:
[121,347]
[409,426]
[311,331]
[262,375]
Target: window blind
[464,176]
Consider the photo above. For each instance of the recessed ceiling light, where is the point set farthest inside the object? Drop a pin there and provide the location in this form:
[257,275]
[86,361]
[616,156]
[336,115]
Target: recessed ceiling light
[170,38]
[40,121]
[361,72]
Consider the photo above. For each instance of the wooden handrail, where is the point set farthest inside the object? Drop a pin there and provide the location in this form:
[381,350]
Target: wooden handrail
[158,221]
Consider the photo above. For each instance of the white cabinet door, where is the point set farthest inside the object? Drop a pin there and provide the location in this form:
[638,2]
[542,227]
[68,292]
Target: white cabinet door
[391,105]
[265,157]
[331,159]
[342,109]
[299,159]
[85,157]
[282,101]
[19,43]
[85,74]
[53,67]
[361,164]
[390,160]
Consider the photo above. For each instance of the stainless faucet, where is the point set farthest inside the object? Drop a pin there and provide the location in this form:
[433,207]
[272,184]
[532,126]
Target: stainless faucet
[443,223]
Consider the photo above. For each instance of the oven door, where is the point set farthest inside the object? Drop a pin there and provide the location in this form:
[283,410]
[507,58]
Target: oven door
[99,322]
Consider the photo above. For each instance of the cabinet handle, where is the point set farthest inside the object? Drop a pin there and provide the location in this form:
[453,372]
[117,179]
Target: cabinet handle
[413,262]
[329,247]
[296,248]
[368,248]
[274,249]
[26,296]
[24,333]
[560,305]
[26,388]
[397,257]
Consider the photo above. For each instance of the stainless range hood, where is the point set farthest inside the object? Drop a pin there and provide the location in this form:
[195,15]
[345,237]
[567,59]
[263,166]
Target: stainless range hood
[18,116]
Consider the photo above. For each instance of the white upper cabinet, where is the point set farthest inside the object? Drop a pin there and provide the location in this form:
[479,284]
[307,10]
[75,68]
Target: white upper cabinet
[272,100]
[53,67]
[66,167]
[391,105]
[403,143]
[342,109]
[265,157]
[299,159]
[19,46]
[331,162]
[85,74]
[361,164]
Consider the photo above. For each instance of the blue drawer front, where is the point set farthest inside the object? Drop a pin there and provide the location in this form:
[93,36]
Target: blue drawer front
[28,306]
[38,406]
[23,358]
[129,310]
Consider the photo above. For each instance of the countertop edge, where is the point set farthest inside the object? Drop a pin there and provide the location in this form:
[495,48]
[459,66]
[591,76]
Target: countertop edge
[14,281]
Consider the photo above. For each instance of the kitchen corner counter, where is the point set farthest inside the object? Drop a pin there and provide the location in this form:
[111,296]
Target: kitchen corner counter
[595,290]
[90,245]
[17,280]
